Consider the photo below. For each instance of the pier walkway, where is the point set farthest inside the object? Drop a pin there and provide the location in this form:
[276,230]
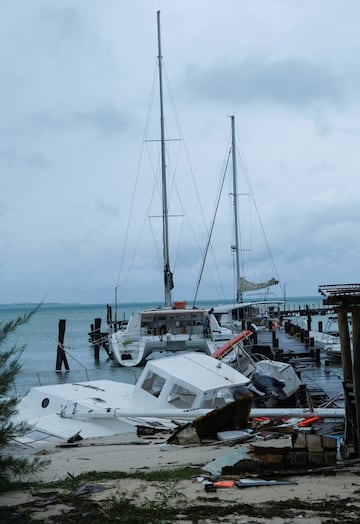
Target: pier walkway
[322,376]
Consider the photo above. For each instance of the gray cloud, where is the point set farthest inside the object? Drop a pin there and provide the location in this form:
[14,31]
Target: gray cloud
[74,98]
[289,82]
[14,160]
[104,119]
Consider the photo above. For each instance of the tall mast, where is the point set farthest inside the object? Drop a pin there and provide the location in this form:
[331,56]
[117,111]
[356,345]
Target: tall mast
[236,221]
[168,277]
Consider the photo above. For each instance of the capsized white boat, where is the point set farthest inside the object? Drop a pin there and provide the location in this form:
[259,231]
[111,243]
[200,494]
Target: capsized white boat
[334,351]
[323,340]
[170,391]
[271,380]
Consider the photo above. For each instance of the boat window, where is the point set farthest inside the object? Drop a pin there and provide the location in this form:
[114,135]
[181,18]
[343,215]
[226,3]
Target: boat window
[181,397]
[45,402]
[153,383]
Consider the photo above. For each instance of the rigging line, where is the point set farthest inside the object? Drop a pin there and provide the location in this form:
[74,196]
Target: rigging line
[72,357]
[258,212]
[234,280]
[177,119]
[70,347]
[190,225]
[242,243]
[156,189]
[211,230]
[173,188]
[220,191]
[147,120]
[155,171]
[176,116]
[174,185]
[131,264]
[155,243]
[178,246]
[217,282]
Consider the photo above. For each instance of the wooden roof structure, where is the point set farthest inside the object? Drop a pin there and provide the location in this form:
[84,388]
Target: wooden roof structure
[340,294]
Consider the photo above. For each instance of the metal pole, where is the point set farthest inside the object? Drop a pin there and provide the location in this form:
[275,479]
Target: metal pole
[236,221]
[166,259]
[116,301]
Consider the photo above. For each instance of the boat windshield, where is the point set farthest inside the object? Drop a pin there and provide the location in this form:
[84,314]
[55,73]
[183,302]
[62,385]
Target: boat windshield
[181,397]
[153,383]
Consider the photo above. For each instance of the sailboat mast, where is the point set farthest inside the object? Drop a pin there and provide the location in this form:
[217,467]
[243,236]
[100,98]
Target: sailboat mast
[168,277]
[235,204]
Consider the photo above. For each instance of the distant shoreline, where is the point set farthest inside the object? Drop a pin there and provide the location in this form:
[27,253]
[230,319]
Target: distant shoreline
[305,298]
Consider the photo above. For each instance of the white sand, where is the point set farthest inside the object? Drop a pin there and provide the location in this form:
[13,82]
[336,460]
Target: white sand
[129,454]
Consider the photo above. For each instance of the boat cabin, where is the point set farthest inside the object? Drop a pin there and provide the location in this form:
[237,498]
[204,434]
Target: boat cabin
[188,381]
[174,321]
[244,314]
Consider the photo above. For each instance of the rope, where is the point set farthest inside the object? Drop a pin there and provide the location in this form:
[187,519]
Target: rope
[210,232]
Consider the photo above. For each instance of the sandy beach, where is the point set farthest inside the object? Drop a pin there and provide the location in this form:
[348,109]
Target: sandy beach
[130,454]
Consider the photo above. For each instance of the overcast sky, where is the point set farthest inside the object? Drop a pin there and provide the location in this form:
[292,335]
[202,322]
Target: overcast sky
[76,105]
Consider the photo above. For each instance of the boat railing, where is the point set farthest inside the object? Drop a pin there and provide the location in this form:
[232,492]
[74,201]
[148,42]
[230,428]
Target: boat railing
[257,357]
[26,381]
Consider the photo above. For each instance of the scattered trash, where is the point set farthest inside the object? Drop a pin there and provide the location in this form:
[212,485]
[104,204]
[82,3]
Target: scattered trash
[308,421]
[224,484]
[75,438]
[234,435]
[248,483]
[169,447]
[42,452]
[288,452]
[210,488]
[89,488]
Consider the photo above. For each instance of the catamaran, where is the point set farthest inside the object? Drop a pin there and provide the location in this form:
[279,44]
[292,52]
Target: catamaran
[174,326]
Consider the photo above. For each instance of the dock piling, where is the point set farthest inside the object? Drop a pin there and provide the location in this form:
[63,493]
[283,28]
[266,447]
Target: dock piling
[99,340]
[60,353]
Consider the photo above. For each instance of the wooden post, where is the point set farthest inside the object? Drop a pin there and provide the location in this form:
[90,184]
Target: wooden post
[348,381]
[346,360]
[287,326]
[60,354]
[302,336]
[91,333]
[108,314]
[97,338]
[273,336]
[308,317]
[356,366]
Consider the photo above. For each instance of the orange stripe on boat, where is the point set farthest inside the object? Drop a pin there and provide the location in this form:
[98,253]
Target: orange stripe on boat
[308,421]
[229,345]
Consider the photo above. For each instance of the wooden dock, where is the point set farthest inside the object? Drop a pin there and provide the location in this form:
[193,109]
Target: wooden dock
[321,376]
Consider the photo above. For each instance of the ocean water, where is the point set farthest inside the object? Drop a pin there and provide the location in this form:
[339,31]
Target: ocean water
[38,338]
